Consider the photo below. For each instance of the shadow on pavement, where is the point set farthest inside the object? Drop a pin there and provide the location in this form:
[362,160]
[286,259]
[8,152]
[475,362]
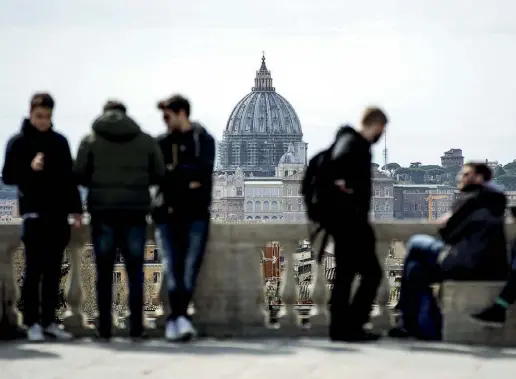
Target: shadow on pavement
[17,351]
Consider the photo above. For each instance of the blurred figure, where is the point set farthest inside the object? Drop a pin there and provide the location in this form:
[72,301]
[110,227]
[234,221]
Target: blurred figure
[118,163]
[182,209]
[39,163]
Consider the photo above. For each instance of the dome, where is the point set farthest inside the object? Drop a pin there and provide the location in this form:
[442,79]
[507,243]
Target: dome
[290,157]
[263,111]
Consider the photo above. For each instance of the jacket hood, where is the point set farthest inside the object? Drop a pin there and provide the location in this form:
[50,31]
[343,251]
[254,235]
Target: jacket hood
[495,187]
[493,198]
[116,126]
[28,128]
[346,129]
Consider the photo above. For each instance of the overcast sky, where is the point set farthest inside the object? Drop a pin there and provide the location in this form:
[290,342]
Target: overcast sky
[442,69]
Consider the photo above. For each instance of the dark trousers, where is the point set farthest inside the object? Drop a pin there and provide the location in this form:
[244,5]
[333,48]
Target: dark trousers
[130,239]
[420,314]
[182,244]
[45,241]
[354,254]
[509,290]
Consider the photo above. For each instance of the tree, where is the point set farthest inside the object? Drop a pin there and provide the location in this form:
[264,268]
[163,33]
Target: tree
[431,167]
[375,166]
[417,175]
[415,165]
[499,171]
[510,168]
[508,181]
[435,171]
[391,167]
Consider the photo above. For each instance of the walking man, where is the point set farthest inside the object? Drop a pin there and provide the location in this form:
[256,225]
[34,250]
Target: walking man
[39,163]
[182,208]
[350,229]
[118,163]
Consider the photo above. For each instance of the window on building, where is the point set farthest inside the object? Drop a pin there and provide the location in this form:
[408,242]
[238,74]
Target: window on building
[249,217]
[375,206]
[299,204]
[235,155]
[118,298]
[289,190]
[274,218]
[257,206]
[156,277]
[274,206]
[239,191]
[289,206]
[217,193]
[387,191]
[249,206]
[156,255]
[386,205]
[377,191]
[265,206]
[286,173]
[257,218]
[117,277]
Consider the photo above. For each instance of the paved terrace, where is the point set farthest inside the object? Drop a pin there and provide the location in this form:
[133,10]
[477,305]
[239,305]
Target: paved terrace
[304,358]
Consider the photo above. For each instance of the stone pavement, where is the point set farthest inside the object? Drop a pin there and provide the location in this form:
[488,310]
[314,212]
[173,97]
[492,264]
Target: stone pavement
[253,359]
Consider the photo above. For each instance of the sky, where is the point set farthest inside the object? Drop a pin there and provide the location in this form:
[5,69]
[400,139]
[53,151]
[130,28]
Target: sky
[442,70]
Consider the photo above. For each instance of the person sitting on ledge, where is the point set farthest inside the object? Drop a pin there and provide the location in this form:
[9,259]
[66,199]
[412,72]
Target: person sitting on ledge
[472,247]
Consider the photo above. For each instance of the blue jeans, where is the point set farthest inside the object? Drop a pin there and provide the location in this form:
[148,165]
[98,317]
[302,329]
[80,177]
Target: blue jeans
[130,239]
[182,244]
[420,314]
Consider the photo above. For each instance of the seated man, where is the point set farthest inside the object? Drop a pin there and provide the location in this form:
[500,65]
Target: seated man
[472,247]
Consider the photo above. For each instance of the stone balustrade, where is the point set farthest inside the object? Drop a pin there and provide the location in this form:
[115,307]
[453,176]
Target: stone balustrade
[230,297]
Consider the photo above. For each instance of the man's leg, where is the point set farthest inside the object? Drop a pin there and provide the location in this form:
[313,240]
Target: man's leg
[345,272]
[34,256]
[133,252]
[371,275]
[103,239]
[495,314]
[57,238]
[167,240]
[421,268]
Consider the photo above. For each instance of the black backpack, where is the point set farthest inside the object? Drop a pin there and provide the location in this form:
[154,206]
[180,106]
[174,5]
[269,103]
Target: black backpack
[315,190]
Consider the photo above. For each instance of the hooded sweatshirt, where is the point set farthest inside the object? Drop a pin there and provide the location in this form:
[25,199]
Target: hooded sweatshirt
[476,234]
[351,162]
[189,158]
[118,163]
[51,192]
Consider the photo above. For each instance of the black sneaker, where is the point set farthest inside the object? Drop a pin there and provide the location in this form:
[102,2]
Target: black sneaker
[360,335]
[399,332]
[493,316]
[139,337]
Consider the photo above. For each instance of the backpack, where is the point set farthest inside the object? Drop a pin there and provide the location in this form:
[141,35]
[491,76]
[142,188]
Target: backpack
[314,188]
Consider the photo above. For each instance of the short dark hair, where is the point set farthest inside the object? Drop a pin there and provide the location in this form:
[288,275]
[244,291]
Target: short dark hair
[113,105]
[373,115]
[176,104]
[481,169]
[42,99]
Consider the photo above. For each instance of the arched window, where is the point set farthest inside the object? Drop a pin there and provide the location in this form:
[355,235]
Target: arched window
[257,206]
[289,190]
[286,173]
[265,205]
[274,206]
[249,206]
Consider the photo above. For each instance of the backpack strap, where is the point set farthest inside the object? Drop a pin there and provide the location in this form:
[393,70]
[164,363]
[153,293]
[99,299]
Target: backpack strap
[197,142]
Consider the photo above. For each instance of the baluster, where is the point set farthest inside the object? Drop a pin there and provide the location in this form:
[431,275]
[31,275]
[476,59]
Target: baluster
[163,312]
[382,320]
[288,291]
[319,298]
[10,293]
[74,319]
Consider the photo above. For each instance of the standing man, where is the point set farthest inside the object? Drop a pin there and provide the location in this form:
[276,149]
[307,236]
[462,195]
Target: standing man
[39,163]
[118,163]
[352,233]
[182,208]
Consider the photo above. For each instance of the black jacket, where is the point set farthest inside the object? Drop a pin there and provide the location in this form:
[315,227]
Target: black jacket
[118,163]
[476,234]
[189,157]
[351,161]
[51,192]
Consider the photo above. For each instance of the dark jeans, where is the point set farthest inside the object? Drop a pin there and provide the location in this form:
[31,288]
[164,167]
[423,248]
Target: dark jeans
[182,244]
[130,239]
[45,241]
[509,290]
[420,314]
[354,254]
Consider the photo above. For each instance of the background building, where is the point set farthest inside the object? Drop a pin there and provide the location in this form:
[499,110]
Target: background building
[422,201]
[452,158]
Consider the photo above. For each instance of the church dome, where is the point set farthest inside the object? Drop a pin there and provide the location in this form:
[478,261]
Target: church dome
[290,157]
[263,111]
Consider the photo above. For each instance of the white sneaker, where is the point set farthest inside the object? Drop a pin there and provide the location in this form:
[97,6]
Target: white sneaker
[35,333]
[171,333]
[185,329]
[55,331]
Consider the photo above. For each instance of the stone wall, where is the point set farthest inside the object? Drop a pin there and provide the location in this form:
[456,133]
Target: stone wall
[229,301]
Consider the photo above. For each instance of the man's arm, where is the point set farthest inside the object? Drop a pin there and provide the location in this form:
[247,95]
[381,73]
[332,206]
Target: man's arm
[458,222]
[70,179]
[13,172]
[83,164]
[202,171]
[341,158]
[156,164]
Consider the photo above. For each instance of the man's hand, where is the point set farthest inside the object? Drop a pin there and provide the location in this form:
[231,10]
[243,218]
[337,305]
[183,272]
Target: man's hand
[77,220]
[341,184]
[38,162]
[194,185]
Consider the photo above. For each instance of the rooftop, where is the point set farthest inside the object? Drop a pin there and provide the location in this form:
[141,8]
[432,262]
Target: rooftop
[311,358]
